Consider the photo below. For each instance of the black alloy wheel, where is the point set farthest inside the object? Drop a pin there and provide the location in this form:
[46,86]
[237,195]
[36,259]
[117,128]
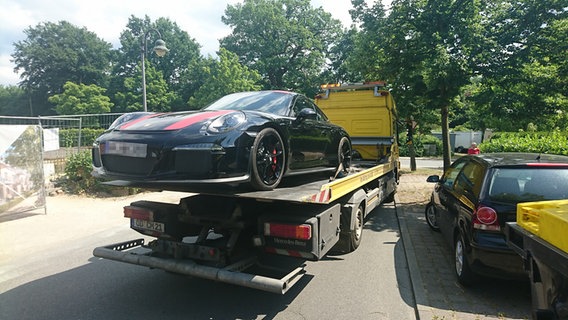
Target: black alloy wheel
[267,160]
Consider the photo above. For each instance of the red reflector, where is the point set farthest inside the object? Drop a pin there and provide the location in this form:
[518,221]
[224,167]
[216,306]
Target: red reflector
[138,213]
[289,231]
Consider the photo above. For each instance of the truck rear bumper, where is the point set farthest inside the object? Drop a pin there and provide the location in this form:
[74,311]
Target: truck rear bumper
[232,274]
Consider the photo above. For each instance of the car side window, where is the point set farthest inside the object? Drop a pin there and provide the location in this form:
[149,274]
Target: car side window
[451,174]
[321,115]
[470,178]
[302,103]
[299,104]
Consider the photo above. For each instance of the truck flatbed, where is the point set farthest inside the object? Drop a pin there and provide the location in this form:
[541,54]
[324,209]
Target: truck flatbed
[312,188]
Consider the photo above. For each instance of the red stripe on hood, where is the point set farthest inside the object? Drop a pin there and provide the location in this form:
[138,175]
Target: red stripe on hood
[192,119]
[129,123]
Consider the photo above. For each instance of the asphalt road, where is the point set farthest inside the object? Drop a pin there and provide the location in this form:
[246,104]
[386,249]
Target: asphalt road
[47,271]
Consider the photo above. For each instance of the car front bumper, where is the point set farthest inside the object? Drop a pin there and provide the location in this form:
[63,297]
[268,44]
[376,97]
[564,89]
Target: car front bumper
[191,163]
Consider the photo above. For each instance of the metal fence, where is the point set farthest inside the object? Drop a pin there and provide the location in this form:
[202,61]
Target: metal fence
[34,151]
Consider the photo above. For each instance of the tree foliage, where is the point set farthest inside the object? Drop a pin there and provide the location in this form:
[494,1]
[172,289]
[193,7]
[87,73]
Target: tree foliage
[14,101]
[81,99]
[223,77]
[173,68]
[286,41]
[54,53]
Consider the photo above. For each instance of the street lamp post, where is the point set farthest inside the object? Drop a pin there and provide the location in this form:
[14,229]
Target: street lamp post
[160,50]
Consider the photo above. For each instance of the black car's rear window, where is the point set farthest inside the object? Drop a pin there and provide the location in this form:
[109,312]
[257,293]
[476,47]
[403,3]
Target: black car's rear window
[528,184]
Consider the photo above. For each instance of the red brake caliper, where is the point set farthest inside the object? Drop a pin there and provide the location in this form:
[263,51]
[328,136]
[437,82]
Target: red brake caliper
[274,160]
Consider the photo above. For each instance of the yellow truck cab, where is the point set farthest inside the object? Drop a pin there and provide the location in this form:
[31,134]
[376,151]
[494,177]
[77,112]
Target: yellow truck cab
[368,112]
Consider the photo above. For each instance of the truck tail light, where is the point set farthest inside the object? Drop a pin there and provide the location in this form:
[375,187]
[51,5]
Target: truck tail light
[138,213]
[288,231]
[485,218]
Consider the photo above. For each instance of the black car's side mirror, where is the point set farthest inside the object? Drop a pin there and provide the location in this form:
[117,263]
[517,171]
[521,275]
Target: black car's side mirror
[433,178]
[307,113]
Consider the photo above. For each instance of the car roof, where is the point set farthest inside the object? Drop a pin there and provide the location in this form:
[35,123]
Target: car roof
[503,159]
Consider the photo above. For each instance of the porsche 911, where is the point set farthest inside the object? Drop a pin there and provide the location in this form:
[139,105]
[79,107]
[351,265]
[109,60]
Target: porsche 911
[253,138]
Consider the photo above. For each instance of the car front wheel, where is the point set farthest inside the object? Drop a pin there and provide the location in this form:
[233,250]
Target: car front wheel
[431,218]
[267,160]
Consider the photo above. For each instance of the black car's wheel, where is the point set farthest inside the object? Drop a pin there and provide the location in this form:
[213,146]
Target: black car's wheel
[431,218]
[344,154]
[267,160]
[462,268]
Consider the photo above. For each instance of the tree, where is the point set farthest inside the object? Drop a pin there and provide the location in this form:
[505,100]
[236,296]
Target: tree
[81,99]
[427,49]
[223,77]
[14,101]
[53,54]
[174,66]
[526,78]
[387,48]
[286,41]
[158,96]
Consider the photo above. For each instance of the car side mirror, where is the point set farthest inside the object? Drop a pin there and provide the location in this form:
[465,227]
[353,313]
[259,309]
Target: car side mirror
[433,178]
[307,113]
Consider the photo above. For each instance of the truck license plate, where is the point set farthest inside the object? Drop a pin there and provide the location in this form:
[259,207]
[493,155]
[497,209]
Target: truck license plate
[146,225]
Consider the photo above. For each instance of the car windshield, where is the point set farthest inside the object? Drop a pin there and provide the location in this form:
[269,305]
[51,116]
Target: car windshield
[265,101]
[514,185]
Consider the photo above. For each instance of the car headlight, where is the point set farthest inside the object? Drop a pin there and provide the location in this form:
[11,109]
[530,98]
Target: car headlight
[226,122]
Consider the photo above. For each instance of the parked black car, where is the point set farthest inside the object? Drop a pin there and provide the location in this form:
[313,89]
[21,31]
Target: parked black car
[478,194]
[255,137]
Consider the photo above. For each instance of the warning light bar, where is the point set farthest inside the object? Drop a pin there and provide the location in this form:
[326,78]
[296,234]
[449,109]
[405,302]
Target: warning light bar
[330,85]
[288,231]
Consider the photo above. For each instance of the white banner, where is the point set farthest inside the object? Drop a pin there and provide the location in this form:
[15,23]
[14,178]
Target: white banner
[21,169]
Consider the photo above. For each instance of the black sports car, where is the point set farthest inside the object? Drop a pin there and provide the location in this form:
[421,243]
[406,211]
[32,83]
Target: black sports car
[256,137]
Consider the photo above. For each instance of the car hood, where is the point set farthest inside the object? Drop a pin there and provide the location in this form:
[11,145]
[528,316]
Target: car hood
[171,121]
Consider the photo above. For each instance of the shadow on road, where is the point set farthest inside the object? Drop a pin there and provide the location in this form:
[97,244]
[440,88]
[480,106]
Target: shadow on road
[109,290]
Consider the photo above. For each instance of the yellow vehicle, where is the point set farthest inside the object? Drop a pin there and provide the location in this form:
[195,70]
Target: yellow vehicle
[368,112]
[261,239]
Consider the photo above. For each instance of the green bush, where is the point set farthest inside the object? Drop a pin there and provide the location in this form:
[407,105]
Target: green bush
[70,137]
[419,142]
[78,173]
[555,142]
[78,178]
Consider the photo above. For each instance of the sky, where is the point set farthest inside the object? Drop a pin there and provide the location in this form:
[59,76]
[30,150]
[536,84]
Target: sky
[107,18]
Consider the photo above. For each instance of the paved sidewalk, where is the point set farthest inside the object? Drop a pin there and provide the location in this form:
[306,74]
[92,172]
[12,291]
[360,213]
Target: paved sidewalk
[438,295]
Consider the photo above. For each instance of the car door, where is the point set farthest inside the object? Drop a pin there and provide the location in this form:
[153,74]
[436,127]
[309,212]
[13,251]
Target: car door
[309,136]
[446,198]
[467,190]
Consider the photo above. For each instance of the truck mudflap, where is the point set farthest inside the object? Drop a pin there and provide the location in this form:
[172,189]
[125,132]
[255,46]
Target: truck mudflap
[232,274]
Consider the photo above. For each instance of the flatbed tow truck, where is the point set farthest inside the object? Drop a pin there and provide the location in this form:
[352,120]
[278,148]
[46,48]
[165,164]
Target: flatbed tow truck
[262,239]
